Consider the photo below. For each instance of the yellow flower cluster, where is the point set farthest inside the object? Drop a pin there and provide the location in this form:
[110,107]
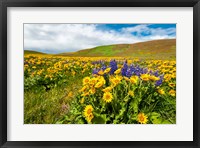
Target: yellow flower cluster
[115,80]
[91,84]
[147,77]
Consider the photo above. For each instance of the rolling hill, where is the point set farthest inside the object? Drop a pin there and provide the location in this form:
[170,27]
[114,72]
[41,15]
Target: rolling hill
[32,52]
[155,49]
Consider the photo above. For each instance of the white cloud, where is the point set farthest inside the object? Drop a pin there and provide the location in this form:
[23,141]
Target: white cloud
[57,38]
[140,30]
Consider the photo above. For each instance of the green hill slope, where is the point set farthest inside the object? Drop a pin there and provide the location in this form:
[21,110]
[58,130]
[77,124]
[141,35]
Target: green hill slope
[32,52]
[156,49]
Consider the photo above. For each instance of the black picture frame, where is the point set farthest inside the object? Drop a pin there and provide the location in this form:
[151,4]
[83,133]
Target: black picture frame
[4,4]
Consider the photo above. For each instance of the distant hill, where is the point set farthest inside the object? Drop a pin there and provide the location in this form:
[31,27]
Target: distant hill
[155,49]
[32,52]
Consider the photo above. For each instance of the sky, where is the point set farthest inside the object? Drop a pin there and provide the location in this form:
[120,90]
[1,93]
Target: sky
[59,38]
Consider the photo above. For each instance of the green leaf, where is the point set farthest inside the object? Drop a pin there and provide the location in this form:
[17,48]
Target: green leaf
[155,115]
[157,121]
[99,119]
[155,118]
[134,105]
[59,122]
[166,122]
[121,113]
[116,121]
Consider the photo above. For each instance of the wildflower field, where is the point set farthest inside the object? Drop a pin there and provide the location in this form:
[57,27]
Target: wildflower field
[98,90]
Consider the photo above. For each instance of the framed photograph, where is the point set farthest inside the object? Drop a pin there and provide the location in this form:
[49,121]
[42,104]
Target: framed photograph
[104,73]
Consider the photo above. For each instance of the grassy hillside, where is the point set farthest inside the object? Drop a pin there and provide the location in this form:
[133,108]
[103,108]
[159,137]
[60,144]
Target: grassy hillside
[156,49]
[32,52]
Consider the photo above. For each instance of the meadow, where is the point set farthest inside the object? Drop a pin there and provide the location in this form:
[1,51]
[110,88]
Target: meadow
[63,89]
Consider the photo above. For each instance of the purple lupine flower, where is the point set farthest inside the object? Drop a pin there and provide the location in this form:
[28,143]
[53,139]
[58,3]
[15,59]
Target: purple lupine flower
[144,70]
[103,67]
[156,73]
[128,73]
[124,69]
[132,68]
[137,70]
[160,81]
[95,71]
[113,65]
[101,62]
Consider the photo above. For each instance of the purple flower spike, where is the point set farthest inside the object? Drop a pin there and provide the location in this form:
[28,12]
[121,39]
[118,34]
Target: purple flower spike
[103,67]
[156,73]
[128,73]
[113,65]
[95,71]
[124,69]
[159,82]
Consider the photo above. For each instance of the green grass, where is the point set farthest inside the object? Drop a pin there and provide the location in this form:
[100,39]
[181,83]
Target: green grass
[41,106]
[104,51]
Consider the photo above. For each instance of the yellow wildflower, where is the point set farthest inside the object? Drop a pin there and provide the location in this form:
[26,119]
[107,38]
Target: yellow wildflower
[88,113]
[101,78]
[88,110]
[172,93]
[93,81]
[126,78]
[133,79]
[161,91]
[83,89]
[167,77]
[82,100]
[116,80]
[154,78]
[86,80]
[131,93]
[142,118]
[107,89]
[172,84]
[107,97]
[118,71]
[99,84]
[92,90]
[90,117]
[107,70]
[101,72]
[144,77]
[85,94]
